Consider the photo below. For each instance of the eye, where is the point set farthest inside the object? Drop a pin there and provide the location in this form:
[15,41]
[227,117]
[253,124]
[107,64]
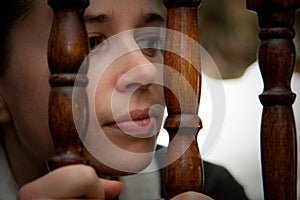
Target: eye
[149,46]
[95,40]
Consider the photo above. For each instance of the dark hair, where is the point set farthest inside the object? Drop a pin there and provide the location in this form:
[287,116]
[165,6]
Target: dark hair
[12,12]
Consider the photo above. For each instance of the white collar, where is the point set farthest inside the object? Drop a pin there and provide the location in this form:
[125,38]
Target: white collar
[8,186]
[143,186]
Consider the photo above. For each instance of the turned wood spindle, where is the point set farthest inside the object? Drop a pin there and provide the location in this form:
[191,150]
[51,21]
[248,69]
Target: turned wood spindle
[182,123]
[276,60]
[67,51]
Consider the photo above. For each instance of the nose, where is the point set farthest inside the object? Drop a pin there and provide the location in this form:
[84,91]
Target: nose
[139,72]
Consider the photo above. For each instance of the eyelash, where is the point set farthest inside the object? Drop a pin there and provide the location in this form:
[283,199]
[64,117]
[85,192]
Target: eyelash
[95,40]
[148,45]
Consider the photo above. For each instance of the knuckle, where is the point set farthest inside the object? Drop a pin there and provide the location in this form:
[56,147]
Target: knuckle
[87,175]
[192,196]
[27,192]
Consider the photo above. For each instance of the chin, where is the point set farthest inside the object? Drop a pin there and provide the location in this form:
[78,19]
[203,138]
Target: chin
[115,153]
[121,164]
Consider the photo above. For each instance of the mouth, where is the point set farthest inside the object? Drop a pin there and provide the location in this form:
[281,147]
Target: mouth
[138,123]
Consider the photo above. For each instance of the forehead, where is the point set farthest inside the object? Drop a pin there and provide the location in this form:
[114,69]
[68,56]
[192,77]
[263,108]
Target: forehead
[116,6]
[125,7]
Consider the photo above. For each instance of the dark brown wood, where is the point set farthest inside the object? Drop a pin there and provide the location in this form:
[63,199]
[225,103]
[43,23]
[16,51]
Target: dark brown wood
[68,48]
[276,60]
[184,171]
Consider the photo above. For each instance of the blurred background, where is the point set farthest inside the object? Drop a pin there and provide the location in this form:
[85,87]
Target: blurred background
[228,31]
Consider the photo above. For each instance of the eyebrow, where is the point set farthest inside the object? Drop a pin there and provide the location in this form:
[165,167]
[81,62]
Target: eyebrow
[96,18]
[144,18]
[151,18]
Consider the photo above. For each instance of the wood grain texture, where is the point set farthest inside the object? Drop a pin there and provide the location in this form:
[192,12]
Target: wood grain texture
[184,171]
[67,50]
[276,60]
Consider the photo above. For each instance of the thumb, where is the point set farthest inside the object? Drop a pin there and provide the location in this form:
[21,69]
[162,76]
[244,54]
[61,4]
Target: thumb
[111,188]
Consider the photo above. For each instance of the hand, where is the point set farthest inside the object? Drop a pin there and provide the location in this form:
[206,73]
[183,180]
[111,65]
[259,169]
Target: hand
[70,182]
[191,196]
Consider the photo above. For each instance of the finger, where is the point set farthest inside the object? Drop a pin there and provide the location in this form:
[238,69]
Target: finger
[191,196]
[111,188]
[66,182]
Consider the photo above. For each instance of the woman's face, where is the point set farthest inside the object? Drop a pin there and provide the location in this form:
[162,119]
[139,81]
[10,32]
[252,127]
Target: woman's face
[123,96]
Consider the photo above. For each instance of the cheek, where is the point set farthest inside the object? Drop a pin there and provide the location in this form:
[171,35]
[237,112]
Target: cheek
[27,88]
[100,101]
[26,95]
[34,134]
[100,93]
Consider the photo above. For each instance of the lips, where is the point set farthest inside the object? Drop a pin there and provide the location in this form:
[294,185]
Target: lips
[138,123]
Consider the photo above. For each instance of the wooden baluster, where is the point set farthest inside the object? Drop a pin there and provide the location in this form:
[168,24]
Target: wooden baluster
[182,123]
[276,60]
[68,48]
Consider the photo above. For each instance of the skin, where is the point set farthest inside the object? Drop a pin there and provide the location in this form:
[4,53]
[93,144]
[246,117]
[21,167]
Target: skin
[24,93]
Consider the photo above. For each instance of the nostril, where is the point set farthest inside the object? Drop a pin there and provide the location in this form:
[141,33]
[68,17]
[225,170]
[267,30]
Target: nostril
[140,86]
[134,86]
[145,86]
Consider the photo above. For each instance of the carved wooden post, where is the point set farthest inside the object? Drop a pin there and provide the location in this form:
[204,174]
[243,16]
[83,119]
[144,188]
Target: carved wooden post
[68,48]
[182,123]
[276,61]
